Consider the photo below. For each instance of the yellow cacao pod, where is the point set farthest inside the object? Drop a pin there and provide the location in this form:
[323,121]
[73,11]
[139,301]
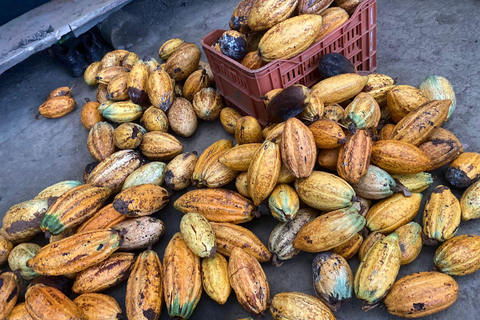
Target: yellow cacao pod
[100,141]
[19,312]
[377,271]
[442,214]
[44,302]
[97,306]
[363,112]
[378,86]
[215,278]
[5,248]
[90,74]
[229,236]
[248,130]
[354,157]
[386,132]
[137,85]
[157,145]
[327,134]
[298,305]
[128,135]
[209,153]
[90,115]
[75,253]
[106,75]
[182,117]
[263,171]
[284,203]
[464,170]
[333,18]
[249,281]
[198,235]
[403,99]
[368,243]
[182,283]
[117,88]
[57,107]
[410,241]
[398,157]
[154,119]
[178,172]
[241,183]
[160,90]
[339,88]
[421,294]
[195,82]
[350,248]
[169,47]
[129,60]
[324,191]
[183,61]
[8,293]
[393,212]
[229,118]
[144,296]
[441,147]
[239,157]
[141,200]
[416,182]
[470,202]
[207,104]
[264,14]
[215,174]
[22,221]
[458,256]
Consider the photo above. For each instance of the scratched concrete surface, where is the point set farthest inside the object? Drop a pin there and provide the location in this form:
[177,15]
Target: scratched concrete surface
[415,39]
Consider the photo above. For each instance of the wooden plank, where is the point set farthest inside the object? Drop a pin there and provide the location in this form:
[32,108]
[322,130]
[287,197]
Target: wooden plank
[41,27]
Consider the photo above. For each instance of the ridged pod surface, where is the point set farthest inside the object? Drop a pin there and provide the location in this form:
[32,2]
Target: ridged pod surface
[141,200]
[105,75]
[241,183]
[75,253]
[375,184]
[332,279]
[44,302]
[378,86]
[91,72]
[350,248]
[324,191]
[208,153]
[249,281]
[391,213]
[19,312]
[228,118]
[439,88]
[290,37]
[215,280]
[263,171]
[368,243]
[198,235]
[339,88]
[410,240]
[248,130]
[104,218]
[130,59]
[398,157]
[160,90]
[182,283]
[402,100]
[207,104]
[154,119]
[196,81]
[280,242]
[442,214]
[377,271]
[169,47]
[253,60]
[183,61]
[332,18]
[97,306]
[57,107]
[122,111]
[239,157]
[421,294]
[216,205]
[113,171]
[333,111]
[464,170]
[314,109]
[157,145]
[117,88]
[140,233]
[283,203]
[9,292]
[74,207]
[285,176]
[5,249]
[22,221]
[441,147]
[100,141]
[416,182]
[229,236]
[298,149]
[363,112]
[144,297]
[419,124]
[459,255]
[329,230]
[265,14]
[470,202]
[57,189]
[178,172]
[128,135]
[299,306]
[105,274]
[327,134]
[354,157]
[137,85]
[215,174]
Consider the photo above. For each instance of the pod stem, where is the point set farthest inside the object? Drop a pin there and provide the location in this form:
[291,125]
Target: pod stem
[355,199]
[73,86]
[364,232]
[427,241]
[87,100]
[399,187]
[48,234]
[37,116]
[367,307]
[275,261]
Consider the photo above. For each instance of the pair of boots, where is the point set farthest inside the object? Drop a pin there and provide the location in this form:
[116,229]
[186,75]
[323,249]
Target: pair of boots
[73,60]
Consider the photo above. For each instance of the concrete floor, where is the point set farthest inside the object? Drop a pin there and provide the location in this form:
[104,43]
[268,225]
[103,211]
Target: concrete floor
[415,39]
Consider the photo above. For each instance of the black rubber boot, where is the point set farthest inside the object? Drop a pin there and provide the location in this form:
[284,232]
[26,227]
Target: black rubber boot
[92,47]
[71,59]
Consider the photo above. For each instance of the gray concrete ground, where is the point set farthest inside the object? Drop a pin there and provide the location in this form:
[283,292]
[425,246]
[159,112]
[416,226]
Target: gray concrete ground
[415,39]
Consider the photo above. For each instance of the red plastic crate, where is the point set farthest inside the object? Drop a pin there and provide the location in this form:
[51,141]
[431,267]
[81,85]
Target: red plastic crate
[241,87]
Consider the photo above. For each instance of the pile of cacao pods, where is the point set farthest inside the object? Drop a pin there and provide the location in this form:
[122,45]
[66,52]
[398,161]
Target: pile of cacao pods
[266,30]
[342,167]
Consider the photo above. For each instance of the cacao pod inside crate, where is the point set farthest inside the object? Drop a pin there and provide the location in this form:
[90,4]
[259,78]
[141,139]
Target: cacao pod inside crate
[241,87]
